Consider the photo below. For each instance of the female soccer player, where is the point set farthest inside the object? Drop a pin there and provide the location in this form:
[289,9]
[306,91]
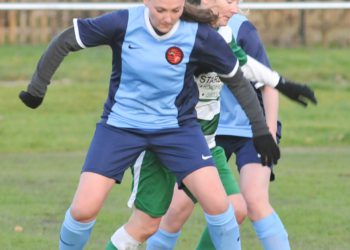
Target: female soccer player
[151,105]
[146,216]
[234,135]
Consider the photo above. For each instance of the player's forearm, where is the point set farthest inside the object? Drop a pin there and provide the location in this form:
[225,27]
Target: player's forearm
[271,100]
[57,50]
[258,72]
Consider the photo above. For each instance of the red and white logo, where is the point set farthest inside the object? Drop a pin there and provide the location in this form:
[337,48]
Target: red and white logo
[174,55]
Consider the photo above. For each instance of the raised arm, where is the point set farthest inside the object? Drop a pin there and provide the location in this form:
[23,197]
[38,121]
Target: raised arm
[57,50]
[255,71]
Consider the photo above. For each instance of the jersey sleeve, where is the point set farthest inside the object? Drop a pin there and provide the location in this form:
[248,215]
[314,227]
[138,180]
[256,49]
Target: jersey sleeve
[248,38]
[216,54]
[101,30]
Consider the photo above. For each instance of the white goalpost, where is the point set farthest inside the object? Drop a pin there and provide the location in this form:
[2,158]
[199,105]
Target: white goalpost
[116,6]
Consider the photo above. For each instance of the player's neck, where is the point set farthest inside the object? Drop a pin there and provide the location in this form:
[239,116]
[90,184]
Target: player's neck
[159,33]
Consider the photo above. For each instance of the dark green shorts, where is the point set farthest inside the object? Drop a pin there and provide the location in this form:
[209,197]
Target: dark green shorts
[152,186]
[153,183]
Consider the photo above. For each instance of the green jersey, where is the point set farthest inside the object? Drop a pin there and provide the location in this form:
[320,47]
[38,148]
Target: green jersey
[209,86]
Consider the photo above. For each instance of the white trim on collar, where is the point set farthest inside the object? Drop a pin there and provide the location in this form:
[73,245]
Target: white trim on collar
[152,31]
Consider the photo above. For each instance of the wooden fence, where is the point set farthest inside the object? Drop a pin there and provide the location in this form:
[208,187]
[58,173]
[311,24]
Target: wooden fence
[276,27]
[36,26]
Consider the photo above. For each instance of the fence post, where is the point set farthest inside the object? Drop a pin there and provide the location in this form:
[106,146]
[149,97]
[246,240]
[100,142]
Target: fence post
[302,28]
[12,27]
[2,27]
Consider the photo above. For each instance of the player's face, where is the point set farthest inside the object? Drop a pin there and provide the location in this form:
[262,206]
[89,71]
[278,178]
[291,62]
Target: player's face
[164,14]
[225,9]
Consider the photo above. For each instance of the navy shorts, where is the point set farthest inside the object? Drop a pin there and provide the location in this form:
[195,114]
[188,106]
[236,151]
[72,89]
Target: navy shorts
[182,150]
[243,148]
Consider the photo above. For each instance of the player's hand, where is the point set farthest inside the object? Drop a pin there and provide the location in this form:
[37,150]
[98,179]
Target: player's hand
[30,100]
[267,148]
[300,93]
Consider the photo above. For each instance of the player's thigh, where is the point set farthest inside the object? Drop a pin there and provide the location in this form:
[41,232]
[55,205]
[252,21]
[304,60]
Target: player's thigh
[254,182]
[180,209]
[113,150]
[183,150]
[206,186]
[226,175]
[89,197]
[254,177]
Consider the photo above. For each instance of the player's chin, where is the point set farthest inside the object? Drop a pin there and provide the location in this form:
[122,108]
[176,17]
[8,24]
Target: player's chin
[165,28]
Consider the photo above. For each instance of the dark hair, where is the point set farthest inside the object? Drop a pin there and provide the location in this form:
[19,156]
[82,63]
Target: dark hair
[194,13]
[194,2]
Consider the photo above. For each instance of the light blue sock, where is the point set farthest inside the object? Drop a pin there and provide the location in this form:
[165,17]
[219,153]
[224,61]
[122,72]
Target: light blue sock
[271,233]
[162,240]
[224,230]
[74,234]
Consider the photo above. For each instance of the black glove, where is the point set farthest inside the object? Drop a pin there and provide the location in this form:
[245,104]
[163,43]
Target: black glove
[296,91]
[29,100]
[267,148]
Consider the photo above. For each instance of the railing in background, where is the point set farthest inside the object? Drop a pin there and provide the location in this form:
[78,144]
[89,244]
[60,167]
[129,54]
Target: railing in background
[279,23]
[118,6]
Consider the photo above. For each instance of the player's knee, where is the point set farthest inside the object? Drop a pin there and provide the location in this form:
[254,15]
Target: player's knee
[83,214]
[240,207]
[257,206]
[174,220]
[241,214]
[151,228]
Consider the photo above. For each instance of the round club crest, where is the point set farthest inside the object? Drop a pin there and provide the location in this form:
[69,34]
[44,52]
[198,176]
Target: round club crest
[174,55]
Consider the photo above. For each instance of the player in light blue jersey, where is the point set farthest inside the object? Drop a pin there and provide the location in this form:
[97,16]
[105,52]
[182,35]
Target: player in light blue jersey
[234,135]
[181,206]
[151,105]
[151,177]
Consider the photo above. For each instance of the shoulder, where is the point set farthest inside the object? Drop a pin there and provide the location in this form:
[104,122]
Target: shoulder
[107,20]
[245,33]
[238,19]
[240,24]
[248,38]
[205,32]
[136,12]
[123,16]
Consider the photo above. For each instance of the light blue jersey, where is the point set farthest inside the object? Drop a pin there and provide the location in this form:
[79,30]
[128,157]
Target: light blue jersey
[152,85]
[233,120]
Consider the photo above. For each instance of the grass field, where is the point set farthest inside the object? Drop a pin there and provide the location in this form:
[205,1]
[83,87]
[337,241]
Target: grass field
[41,152]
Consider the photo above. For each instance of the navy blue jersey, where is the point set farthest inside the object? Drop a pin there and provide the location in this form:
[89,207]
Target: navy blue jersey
[151,84]
[233,120]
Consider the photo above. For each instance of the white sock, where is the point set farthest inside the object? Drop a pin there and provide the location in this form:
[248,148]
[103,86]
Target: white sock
[124,241]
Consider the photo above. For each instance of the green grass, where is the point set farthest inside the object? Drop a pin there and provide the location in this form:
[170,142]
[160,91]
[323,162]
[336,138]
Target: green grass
[311,195]
[75,99]
[42,151]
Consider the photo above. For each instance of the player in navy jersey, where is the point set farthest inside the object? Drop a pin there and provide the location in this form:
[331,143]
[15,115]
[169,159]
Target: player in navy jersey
[150,105]
[234,135]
